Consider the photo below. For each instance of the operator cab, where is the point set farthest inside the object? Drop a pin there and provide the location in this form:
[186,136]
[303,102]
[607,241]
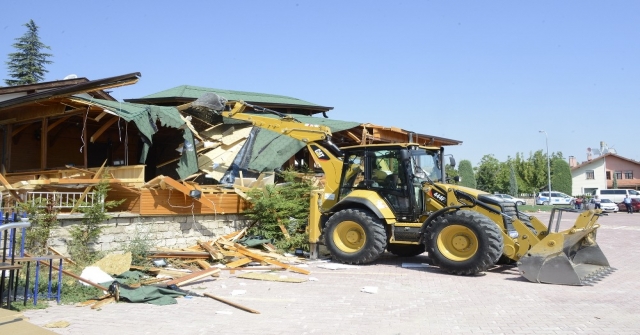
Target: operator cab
[395,172]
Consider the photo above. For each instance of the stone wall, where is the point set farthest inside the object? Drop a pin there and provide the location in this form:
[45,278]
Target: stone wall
[178,231]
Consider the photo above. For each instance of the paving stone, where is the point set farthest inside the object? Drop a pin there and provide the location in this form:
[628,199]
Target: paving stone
[408,301]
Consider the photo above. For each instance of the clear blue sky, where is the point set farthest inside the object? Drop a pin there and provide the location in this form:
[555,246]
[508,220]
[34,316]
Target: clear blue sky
[488,73]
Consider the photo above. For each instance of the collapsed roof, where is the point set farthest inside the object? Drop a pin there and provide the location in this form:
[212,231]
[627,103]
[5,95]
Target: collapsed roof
[73,126]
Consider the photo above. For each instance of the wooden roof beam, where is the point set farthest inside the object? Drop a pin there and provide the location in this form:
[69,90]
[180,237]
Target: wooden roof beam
[57,123]
[102,129]
[19,129]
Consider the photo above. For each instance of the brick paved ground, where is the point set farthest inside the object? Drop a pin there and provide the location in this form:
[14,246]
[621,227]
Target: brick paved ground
[408,301]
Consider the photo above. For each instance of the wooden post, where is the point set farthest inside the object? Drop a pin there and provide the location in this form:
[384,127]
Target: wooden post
[43,143]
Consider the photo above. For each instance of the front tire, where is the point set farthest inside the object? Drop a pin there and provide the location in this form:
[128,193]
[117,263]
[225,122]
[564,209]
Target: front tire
[464,242]
[355,236]
[520,203]
[545,203]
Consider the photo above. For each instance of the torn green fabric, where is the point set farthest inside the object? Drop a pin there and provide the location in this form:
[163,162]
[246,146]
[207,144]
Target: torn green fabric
[145,117]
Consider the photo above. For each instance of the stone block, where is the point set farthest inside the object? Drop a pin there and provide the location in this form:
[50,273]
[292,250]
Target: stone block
[106,238]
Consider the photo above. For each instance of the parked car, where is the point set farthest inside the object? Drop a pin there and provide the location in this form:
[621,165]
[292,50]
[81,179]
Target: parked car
[635,205]
[509,198]
[557,198]
[609,206]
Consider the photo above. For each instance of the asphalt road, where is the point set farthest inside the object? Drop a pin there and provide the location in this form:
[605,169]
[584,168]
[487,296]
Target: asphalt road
[387,298]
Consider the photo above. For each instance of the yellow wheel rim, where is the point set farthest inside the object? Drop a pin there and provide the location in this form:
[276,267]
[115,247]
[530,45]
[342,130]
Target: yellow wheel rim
[349,236]
[457,243]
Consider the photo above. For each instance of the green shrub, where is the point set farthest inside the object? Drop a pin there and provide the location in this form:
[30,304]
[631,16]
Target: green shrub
[43,217]
[282,207]
[88,231]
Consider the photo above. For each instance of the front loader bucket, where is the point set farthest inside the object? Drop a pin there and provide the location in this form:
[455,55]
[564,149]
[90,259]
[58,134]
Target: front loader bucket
[570,257]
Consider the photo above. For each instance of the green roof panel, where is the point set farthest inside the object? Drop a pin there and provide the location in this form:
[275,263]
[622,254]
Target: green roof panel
[271,150]
[194,92]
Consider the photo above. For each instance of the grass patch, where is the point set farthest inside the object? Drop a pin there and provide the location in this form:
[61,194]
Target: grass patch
[72,291]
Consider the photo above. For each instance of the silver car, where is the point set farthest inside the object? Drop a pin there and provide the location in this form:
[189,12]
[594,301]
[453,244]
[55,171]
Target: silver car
[509,198]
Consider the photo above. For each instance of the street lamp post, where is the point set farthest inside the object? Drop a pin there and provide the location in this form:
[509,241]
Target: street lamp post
[548,164]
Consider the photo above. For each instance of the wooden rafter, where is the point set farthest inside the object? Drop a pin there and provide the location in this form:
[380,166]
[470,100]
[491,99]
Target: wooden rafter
[57,122]
[102,129]
[184,189]
[8,186]
[17,130]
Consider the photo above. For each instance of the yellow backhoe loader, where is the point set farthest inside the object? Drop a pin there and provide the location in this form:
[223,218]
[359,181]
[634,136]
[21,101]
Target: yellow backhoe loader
[395,197]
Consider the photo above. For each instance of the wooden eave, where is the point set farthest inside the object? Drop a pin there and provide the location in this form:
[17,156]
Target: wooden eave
[41,86]
[374,134]
[46,109]
[91,86]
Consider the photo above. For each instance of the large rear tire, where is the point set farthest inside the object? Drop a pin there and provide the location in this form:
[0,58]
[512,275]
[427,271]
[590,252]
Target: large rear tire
[406,250]
[355,236]
[464,242]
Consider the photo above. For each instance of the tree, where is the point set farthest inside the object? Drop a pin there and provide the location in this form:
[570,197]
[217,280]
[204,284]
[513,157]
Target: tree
[532,171]
[450,173]
[615,181]
[561,176]
[513,181]
[487,173]
[26,65]
[502,177]
[465,170]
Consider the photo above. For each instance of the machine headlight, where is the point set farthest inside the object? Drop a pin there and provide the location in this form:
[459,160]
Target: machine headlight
[513,234]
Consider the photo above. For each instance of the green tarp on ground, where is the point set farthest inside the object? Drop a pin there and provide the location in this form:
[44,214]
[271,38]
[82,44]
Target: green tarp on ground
[150,294]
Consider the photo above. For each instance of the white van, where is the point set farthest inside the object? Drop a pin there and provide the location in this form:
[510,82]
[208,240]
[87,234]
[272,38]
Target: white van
[557,198]
[616,195]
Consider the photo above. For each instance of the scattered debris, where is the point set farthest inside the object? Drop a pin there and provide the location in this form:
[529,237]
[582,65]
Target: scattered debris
[114,263]
[232,304]
[415,265]
[238,292]
[369,289]
[271,277]
[336,266]
[58,324]
[94,274]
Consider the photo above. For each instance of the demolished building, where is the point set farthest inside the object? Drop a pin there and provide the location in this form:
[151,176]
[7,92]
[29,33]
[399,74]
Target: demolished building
[60,137]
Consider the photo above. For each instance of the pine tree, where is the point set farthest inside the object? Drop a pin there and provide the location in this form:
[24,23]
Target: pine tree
[561,176]
[466,174]
[26,65]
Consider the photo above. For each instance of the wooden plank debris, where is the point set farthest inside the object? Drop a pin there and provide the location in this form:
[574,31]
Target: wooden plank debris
[103,302]
[179,254]
[247,253]
[66,259]
[247,309]
[193,277]
[215,254]
[203,264]
[240,262]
